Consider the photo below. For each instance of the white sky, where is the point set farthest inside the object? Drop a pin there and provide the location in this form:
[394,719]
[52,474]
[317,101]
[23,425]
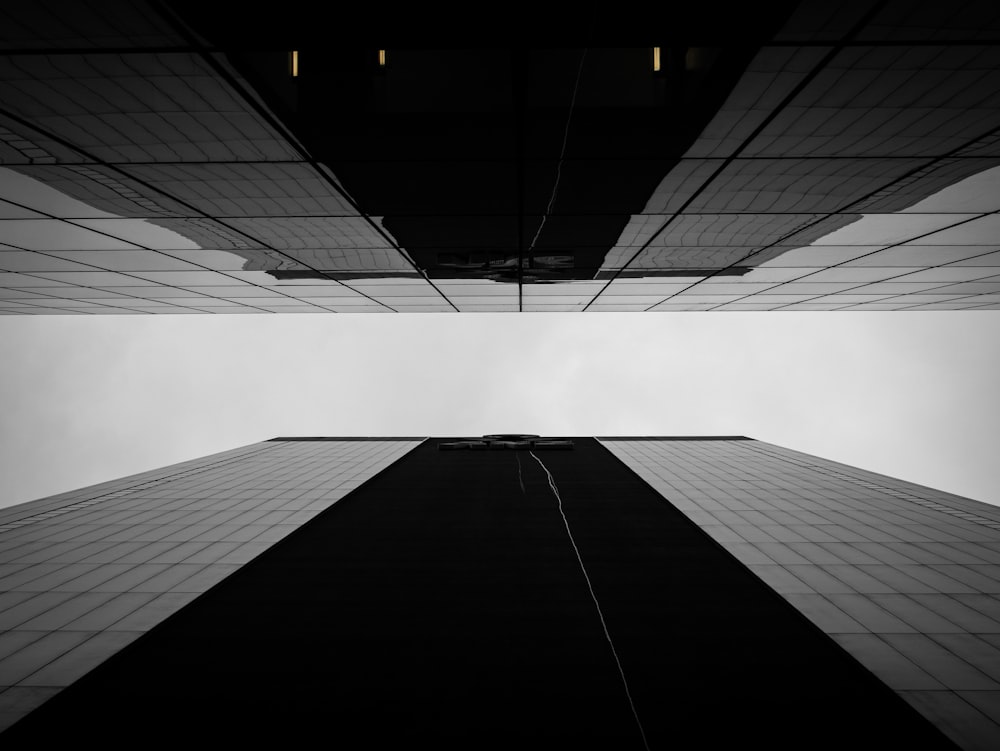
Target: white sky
[912,394]
[909,394]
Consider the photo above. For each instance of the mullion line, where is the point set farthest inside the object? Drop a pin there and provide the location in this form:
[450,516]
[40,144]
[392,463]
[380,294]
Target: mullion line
[846,210]
[40,275]
[290,138]
[772,115]
[110,290]
[880,281]
[198,212]
[131,275]
[22,301]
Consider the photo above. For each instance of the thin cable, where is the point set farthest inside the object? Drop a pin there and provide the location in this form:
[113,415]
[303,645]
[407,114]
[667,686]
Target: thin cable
[593,596]
[562,153]
[520,479]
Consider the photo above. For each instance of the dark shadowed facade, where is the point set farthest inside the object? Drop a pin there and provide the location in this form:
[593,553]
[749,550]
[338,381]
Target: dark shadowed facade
[182,157]
[612,592]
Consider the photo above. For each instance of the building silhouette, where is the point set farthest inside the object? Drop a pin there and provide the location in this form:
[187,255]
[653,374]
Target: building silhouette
[171,157]
[623,592]
[156,157]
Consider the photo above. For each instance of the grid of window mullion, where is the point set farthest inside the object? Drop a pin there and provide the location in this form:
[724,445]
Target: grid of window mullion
[89,597]
[920,608]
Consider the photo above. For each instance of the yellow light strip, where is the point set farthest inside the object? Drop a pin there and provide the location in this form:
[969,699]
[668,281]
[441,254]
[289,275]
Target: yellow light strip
[656,59]
[294,63]
[381,58]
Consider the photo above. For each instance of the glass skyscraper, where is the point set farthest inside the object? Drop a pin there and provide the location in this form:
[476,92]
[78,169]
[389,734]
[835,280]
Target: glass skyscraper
[626,591]
[169,158]
[618,592]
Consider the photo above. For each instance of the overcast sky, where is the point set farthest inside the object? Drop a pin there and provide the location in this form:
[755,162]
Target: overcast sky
[909,394]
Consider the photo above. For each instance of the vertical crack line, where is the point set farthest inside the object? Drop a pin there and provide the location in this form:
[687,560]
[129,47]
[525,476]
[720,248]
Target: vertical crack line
[593,596]
[520,478]
[562,157]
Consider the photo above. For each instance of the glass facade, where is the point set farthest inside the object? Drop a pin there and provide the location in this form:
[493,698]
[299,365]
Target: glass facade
[162,161]
[83,574]
[905,578]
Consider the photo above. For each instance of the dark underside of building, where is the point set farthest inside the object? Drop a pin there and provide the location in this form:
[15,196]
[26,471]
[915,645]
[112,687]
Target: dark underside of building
[457,149]
[447,601]
[645,157]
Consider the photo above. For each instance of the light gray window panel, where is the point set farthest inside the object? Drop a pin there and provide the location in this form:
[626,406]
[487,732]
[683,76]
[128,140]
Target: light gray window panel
[858,579]
[864,610]
[275,533]
[30,608]
[849,552]
[148,551]
[986,604]
[181,552]
[939,662]
[83,657]
[990,553]
[66,611]
[892,553]
[987,702]
[723,535]
[819,580]
[245,552]
[987,577]
[972,612]
[749,553]
[752,534]
[903,553]
[914,614]
[973,650]
[18,575]
[93,578]
[131,578]
[37,654]
[781,553]
[153,612]
[213,552]
[827,616]
[53,234]
[938,579]
[806,534]
[966,553]
[815,552]
[110,612]
[206,578]
[113,553]
[781,580]
[14,641]
[960,720]
[887,663]
[236,532]
[897,580]
[971,580]
[135,534]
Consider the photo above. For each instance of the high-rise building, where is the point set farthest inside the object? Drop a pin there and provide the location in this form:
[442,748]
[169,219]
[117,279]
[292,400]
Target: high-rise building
[182,157]
[509,591]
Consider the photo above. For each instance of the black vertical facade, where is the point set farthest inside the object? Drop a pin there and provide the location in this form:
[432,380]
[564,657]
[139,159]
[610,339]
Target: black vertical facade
[445,601]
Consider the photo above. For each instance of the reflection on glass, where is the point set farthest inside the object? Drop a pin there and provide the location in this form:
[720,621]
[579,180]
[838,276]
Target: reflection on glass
[728,175]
